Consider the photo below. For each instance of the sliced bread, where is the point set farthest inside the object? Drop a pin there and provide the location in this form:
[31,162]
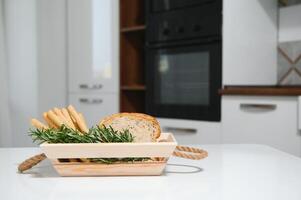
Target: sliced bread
[144,128]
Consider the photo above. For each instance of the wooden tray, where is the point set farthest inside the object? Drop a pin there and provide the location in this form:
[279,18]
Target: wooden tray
[159,152]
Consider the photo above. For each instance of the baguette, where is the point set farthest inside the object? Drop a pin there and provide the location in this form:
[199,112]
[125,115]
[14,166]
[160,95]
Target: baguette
[39,125]
[69,119]
[79,121]
[144,128]
[57,121]
[62,117]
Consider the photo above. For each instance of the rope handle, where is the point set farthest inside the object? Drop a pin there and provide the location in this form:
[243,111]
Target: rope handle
[193,153]
[30,162]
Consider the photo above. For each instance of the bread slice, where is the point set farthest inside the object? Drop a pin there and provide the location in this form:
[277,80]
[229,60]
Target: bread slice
[144,128]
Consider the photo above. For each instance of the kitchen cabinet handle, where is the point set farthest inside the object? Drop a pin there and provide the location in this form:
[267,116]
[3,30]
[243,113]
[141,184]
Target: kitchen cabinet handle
[258,106]
[93,87]
[180,130]
[88,101]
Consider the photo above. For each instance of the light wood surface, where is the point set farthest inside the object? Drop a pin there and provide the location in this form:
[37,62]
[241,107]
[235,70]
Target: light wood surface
[111,150]
[163,148]
[145,168]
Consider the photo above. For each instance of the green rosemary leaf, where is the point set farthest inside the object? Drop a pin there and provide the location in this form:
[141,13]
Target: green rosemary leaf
[95,135]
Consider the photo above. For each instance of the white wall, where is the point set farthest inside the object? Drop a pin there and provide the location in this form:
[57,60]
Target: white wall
[20,24]
[250,42]
[290,23]
[52,54]
[36,56]
[5,127]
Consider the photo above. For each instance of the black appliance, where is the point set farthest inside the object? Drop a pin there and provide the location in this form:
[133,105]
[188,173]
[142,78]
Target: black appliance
[183,59]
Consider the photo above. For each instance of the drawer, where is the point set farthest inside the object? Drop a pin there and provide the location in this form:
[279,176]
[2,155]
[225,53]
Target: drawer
[95,106]
[261,120]
[191,131]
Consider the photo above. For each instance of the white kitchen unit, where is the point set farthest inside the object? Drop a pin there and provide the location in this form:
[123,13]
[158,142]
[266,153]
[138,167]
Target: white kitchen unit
[191,131]
[93,45]
[93,57]
[250,42]
[94,106]
[262,120]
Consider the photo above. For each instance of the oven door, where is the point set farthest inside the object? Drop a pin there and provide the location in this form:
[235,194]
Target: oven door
[183,81]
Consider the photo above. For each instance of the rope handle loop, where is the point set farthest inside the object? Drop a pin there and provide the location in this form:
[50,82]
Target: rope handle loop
[193,153]
[30,162]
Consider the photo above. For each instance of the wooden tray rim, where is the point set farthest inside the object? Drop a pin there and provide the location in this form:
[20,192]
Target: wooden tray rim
[172,142]
[110,150]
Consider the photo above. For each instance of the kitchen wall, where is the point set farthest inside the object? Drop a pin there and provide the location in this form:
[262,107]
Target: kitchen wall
[289,52]
[52,54]
[35,37]
[20,29]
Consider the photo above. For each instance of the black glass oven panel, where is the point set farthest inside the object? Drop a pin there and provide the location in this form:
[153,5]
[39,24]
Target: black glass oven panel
[166,97]
[167,5]
[182,78]
[184,24]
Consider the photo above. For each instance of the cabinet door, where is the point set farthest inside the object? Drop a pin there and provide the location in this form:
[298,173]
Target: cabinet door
[95,107]
[250,42]
[262,120]
[93,45]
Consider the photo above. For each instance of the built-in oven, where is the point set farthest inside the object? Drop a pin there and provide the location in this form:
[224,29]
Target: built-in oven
[183,80]
[183,62]
[167,5]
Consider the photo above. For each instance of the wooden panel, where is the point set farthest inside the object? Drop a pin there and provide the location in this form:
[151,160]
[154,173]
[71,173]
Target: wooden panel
[132,41]
[133,88]
[262,91]
[132,101]
[131,13]
[132,60]
[150,168]
[133,29]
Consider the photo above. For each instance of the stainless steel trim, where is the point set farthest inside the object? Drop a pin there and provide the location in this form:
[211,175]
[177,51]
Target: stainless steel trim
[93,87]
[258,106]
[88,101]
[176,130]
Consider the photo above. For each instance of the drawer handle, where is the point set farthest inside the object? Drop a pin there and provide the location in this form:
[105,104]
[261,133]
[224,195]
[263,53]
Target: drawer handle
[258,106]
[93,87]
[180,130]
[88,101]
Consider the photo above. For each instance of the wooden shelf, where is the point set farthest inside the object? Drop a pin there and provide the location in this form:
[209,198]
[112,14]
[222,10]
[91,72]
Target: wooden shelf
[133,29]
[132,13]
[132,102]
[132,69]
[262,91]
[133,88]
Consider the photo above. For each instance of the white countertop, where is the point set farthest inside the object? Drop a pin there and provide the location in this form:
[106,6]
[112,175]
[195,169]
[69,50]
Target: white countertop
[231,172]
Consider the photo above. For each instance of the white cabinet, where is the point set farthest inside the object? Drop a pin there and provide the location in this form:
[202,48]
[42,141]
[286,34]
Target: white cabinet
[250,42]
[93,75]
[93,45]
[262,120]
[192,132]
[95,107]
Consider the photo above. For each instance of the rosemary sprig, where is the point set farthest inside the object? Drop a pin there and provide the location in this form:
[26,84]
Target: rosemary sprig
[95,135]
[67,135]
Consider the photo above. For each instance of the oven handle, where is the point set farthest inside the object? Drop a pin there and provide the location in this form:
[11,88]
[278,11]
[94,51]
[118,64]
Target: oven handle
[209,40]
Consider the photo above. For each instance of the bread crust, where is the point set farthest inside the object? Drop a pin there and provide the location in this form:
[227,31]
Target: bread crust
[138,116]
